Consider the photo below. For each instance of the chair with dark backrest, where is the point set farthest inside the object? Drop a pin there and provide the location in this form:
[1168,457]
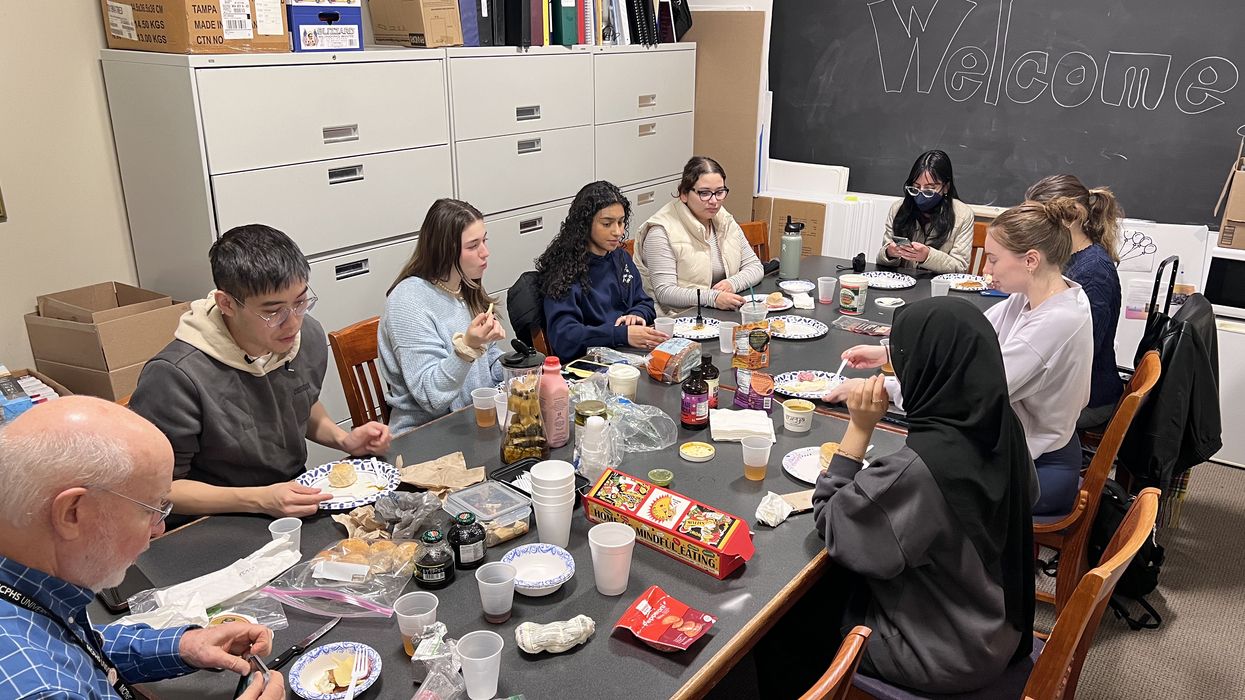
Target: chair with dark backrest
[525,306]
[355,351]
[757,233]
[977,258]
[1051,672]
[836,682]
[1069,533]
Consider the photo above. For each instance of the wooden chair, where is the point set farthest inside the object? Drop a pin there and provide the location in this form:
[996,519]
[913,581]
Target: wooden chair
[1053,669]
[629,246]
[355,351]
[977,258]
[757,233]
[836,682]
[539,342]
[1069,533]
[124,400]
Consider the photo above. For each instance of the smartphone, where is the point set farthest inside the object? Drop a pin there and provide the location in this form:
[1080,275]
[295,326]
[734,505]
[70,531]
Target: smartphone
[901,241]
[584,368]
[115,599]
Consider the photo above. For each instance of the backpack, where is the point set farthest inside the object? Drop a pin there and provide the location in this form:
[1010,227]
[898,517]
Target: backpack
[1142,575]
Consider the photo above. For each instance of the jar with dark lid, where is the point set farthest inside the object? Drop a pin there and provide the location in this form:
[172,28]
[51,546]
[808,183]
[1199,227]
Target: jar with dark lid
[587,409]
[466,538]
[434,561]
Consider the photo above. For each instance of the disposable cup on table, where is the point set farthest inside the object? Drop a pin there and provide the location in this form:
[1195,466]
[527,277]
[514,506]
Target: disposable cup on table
[552,472]
[554,501]
[623,379]
[939,288]
[756,457]
[825,289]
[555,492]
[501,401]
[753,311]
[481,657]
[485,406]
[415,612]
[287,528]
[496,581]
[553,523]
[665,325]
[611,545]
[726,336]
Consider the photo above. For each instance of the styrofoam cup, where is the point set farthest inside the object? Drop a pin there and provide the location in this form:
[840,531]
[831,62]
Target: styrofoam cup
[553,522]
[611,545]
[665,325]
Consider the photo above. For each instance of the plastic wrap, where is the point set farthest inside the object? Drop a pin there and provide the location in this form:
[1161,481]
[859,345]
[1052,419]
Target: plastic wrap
[350,578]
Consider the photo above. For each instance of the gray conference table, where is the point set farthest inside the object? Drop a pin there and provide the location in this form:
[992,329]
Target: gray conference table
[612,664]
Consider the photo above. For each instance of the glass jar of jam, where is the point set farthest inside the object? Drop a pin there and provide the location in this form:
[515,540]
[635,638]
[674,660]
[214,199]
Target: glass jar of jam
[434,562]
[466,538]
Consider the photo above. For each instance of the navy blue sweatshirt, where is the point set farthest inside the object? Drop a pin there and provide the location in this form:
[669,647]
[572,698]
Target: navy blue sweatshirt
[1093,269]
[585,317]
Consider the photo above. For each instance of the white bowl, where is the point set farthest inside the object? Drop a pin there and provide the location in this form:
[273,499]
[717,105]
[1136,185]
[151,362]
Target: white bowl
[540,569]
[796,286]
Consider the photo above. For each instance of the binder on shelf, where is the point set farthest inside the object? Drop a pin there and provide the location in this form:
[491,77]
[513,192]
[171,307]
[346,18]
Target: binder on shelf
[497,8]
[665,23]
[537,11]
[484,22]
[682,18]
[467,15]
[563,20]
[580,12]
[518,23]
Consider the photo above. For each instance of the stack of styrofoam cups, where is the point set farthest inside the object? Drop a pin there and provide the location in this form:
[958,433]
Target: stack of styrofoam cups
[553,499]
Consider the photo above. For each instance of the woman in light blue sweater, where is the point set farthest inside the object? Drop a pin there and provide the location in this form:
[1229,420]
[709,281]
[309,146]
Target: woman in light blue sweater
[438,337]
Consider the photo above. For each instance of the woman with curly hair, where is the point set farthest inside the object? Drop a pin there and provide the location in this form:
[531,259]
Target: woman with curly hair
[592,291]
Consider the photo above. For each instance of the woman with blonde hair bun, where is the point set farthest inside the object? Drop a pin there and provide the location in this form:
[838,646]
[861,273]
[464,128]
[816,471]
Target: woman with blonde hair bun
[1095,253]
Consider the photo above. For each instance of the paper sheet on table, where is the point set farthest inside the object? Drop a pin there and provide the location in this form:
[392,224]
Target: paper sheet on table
[187,603]
[443,474]
[726,425]
[802,301]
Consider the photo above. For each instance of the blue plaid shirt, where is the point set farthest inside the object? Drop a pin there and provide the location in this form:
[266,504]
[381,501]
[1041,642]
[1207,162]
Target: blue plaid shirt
[38,660]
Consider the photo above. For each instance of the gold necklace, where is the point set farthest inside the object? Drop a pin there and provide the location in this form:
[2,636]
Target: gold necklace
[455,292]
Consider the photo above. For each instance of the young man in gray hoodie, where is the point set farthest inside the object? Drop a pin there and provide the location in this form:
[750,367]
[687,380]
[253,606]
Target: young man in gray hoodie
[238,389]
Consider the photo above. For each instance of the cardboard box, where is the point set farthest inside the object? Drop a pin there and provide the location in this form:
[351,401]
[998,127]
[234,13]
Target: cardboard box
[59,388]
[696,534]
[97,303]
[775,211]
[416,23]
[112,386]
[325,25]
[196,26]
[1232,230]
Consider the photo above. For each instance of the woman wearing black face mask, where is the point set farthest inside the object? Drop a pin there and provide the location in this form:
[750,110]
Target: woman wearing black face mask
[934,228]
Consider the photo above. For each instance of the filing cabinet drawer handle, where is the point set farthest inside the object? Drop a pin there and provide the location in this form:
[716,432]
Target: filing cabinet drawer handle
[345,271]
[350,173]
[531,225]
[649,129]
[341,134]
[645,198]
[647,101]
[529,113]
[529,146]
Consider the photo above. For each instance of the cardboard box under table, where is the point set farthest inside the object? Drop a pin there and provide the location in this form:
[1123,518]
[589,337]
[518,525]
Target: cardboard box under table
[196,26]
[692,532]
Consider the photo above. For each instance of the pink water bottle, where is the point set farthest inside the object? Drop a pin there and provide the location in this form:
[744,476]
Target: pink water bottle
[555,403]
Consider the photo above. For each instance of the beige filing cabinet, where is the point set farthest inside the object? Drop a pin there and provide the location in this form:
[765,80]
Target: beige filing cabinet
[345,152]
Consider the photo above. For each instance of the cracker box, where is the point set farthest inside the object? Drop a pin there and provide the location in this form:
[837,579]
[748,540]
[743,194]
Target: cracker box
[696,534]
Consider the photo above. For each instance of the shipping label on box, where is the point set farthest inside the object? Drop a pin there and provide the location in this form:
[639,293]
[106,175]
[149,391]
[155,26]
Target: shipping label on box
[696,534]
[196,26]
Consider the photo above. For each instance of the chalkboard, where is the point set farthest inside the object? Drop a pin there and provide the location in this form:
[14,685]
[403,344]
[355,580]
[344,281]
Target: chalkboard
[1142,96]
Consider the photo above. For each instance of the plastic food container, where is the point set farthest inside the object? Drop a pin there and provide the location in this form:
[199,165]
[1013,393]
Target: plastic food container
[492,502]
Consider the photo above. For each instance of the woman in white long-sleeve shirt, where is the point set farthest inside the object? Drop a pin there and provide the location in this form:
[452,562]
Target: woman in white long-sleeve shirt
[1046,334]
[693,244]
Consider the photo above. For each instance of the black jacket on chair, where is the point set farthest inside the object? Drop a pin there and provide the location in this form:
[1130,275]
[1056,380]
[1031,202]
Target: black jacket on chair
[525,306]
[1179,425]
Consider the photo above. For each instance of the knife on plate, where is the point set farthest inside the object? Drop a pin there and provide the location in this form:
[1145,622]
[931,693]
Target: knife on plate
[286,656]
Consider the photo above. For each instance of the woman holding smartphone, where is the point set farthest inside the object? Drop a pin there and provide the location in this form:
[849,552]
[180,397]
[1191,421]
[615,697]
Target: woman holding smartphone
[930,228]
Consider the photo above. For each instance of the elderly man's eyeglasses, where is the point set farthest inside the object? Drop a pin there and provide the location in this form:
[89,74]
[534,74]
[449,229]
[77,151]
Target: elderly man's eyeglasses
[278,318]
[162,511]
[706,195]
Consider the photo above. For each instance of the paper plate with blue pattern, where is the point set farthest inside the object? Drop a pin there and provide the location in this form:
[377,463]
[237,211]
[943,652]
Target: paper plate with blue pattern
[309,675]
[881,279]
[373,477]
[540,569]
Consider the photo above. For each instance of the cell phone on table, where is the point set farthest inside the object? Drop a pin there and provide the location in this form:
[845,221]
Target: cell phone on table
[116,599]
[584,368]
[902,241]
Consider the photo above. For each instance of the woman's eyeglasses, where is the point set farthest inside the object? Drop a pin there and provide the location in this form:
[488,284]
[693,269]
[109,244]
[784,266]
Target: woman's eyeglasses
[927,191]
[706,195]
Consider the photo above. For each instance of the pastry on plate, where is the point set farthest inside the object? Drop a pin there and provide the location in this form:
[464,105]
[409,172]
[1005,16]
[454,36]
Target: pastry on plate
[828,450]
[778,326]
[775,299]
[342,474]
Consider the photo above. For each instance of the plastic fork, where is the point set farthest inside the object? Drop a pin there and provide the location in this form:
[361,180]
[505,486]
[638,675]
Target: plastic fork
[357,674]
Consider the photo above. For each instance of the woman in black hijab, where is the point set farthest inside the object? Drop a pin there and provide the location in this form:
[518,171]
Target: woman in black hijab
[939,532]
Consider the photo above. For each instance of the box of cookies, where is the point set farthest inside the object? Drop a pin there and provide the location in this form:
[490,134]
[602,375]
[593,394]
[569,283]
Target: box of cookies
[696,534]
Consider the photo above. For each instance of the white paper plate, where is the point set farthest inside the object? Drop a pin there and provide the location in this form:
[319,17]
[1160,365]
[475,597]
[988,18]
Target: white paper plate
[805,464]
[313,664]
[796,286]
[786,301]
[375,477]
[956,278]
[540,569]
[784,380]
[685,327]
[880,279]
[798,328]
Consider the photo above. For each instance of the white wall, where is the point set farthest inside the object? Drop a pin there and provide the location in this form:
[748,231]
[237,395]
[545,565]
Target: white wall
[58,170]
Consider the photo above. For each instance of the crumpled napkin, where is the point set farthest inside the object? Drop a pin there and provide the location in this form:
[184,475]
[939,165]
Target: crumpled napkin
[773,509]
[362,523]
[730,425]
[442,475]
[802,300]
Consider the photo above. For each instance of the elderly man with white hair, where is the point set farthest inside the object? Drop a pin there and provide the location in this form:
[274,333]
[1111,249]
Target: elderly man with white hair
[85,486]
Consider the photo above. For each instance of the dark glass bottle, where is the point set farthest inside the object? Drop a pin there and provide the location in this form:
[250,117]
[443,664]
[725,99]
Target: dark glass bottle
[434,562]
[695,410]
[466,538]
[709,373]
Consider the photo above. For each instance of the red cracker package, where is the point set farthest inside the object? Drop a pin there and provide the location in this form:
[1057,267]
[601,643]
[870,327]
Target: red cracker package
[664,623]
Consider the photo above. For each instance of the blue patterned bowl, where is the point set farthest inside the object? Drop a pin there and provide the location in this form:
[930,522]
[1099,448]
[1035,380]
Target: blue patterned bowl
[540,569]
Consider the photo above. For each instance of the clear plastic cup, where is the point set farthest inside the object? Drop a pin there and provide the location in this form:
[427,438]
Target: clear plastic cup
[825,289]
[481,656]
[496,590]
[939,288]
[485,406]
[665,325]
[756,457]
[501,401]
[611,545]
[415,612]
[726,336]
[287,528]
[753,311]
